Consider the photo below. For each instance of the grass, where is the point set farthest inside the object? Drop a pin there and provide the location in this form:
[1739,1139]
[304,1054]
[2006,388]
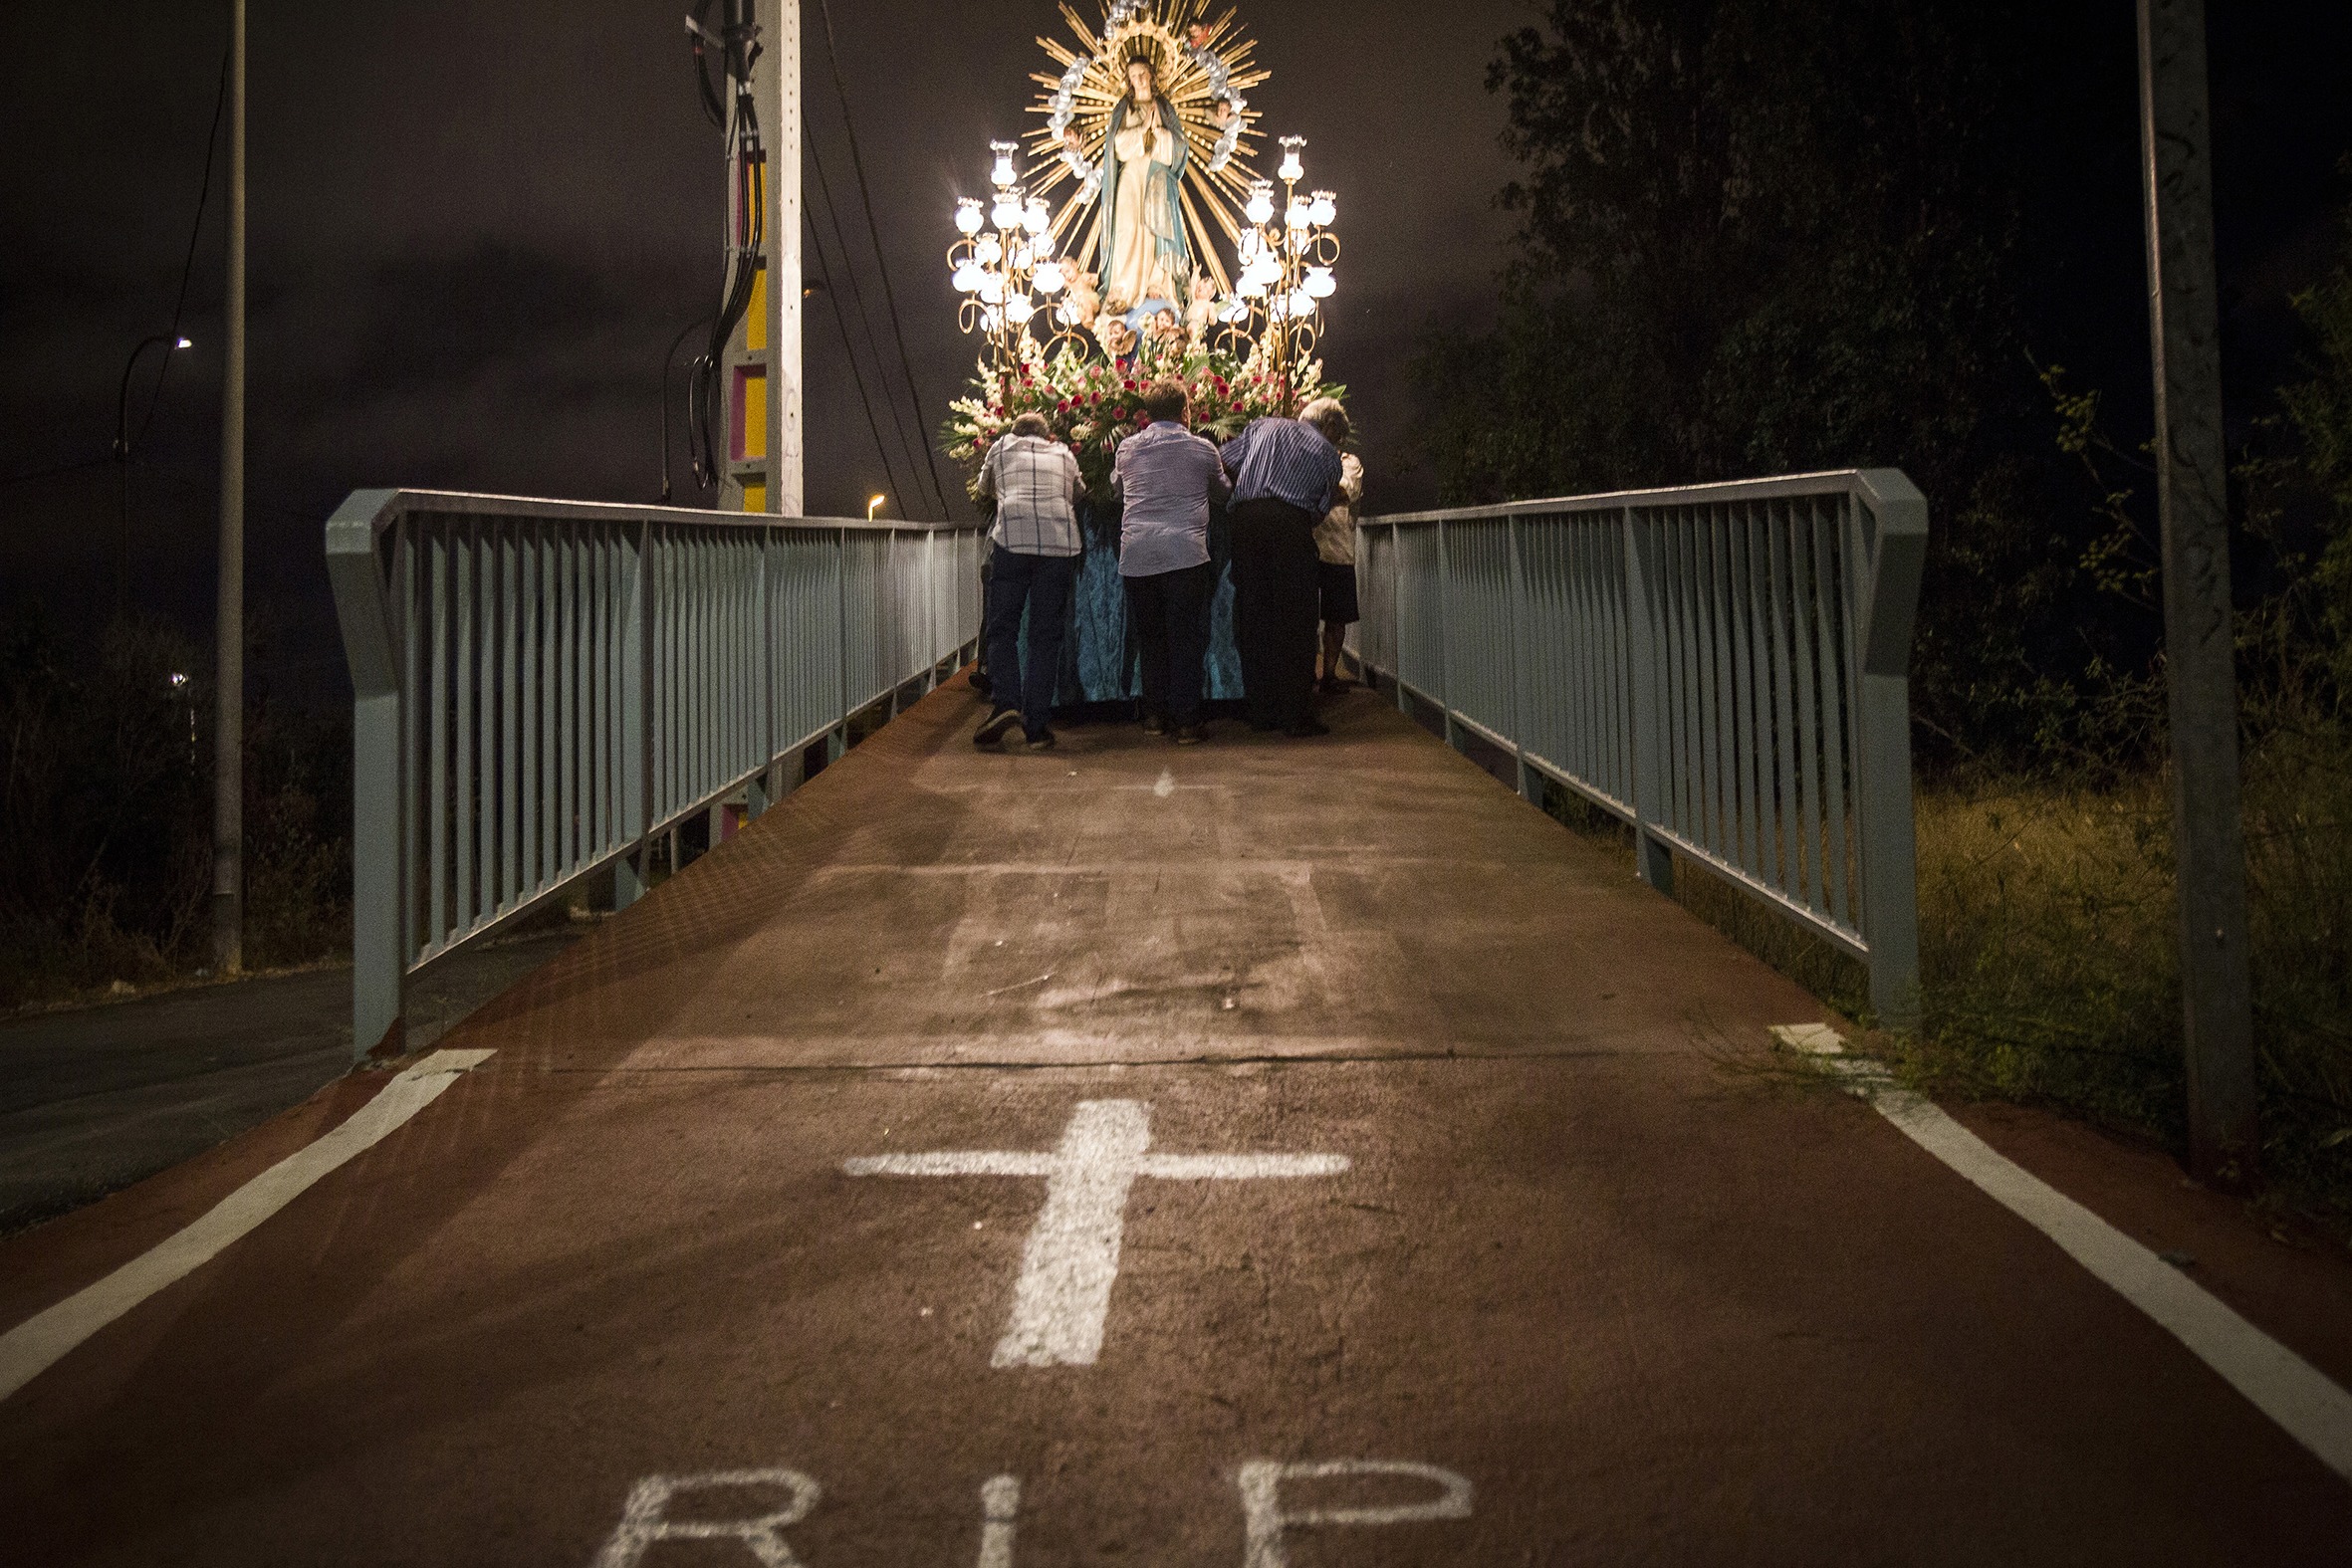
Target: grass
[2050,965]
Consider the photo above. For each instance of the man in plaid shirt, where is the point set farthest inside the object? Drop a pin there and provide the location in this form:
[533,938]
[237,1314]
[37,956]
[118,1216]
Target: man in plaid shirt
[1033,480]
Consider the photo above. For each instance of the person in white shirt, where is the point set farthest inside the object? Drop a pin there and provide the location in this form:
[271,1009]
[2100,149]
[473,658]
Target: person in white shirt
[1334,550]
[1033,480]
[1165,478]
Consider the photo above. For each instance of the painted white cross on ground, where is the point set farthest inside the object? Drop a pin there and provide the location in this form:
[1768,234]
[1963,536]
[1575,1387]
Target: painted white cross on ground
[1073,1253]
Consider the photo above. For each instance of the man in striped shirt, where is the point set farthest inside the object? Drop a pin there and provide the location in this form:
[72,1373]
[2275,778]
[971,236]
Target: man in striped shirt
[1166,477]
[1033,480]
[1285,473]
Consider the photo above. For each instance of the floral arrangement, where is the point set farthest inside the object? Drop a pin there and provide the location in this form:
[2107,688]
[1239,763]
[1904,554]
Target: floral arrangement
[1093,404]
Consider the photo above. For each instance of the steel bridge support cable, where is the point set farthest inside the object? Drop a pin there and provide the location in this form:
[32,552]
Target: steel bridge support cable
[824,195]
[832,55]
[841,323]
[187,266]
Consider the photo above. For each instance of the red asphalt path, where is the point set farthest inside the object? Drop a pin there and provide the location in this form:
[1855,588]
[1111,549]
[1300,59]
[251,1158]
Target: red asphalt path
[1624,1287]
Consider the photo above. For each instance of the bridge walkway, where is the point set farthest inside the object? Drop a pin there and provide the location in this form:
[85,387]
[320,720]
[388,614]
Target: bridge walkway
[1267,1153]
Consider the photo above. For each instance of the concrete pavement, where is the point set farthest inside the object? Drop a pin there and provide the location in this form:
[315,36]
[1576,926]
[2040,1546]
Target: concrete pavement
[97,1098]
[1264,1153]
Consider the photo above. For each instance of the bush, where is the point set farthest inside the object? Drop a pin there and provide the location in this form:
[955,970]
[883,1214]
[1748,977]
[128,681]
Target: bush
[105,802]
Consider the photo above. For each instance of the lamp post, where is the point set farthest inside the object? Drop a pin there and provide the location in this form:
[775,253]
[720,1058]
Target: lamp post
[1003,262]
[872,505]
[1289,260]
[123,456]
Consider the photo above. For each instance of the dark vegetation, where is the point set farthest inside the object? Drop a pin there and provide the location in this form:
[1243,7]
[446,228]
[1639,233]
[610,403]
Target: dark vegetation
[105,798]
[1761,237]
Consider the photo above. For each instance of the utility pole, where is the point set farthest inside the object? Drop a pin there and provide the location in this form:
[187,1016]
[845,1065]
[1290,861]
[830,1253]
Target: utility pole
[763,463]
[228,800]
[2192,466]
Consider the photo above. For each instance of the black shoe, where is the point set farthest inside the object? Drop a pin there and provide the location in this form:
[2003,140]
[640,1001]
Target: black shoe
[1188,734]
[1153,724]
[1306,728]
[993,727]
[1044,741]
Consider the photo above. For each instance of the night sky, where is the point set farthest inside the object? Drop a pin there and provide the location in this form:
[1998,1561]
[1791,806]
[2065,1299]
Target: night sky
[475,228]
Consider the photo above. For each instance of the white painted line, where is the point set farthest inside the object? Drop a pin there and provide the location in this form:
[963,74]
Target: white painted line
[645,1520]
[1814,1040]
[1000,1507]
[1264,1520]
[2317,1412]
[38,1343]
[1071,1256]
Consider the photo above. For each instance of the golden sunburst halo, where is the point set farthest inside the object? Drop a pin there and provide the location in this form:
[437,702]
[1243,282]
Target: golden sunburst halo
[1206,69]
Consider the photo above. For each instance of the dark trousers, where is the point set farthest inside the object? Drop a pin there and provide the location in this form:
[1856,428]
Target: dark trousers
[1170,613]
[1276,592]
[1040,583]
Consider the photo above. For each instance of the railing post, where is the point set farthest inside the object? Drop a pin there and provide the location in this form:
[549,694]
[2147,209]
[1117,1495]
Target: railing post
[836,740]
[1890,885]
[635,741]
[1444,631]
[1530,783]
[380,846]
[1396,616]
[760,792]
[1653,862]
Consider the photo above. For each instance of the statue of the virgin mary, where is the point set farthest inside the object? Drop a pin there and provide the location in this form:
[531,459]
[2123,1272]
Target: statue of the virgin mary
[1144,254]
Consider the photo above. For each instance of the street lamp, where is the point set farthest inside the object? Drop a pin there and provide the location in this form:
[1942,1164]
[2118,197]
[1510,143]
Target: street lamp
[874,505]
[122,455]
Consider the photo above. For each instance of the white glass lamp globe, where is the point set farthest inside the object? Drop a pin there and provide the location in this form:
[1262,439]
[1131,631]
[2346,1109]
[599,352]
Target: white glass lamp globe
[1322,209]
[1043,244]
[1260,204]
[1003,173]
[1019,308]
[989,250]
[1237,312]
[1050,279]
[1034,217]
[1320,283]
[1250,287]
[1302,302]
[968,215]
[1293,168]
[967,277]
[992,288]
[1295,217]
[1006,214]
[990,318]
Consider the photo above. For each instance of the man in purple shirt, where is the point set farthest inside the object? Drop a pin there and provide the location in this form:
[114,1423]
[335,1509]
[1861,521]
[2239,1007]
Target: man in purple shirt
[1284,475]
[1166,477]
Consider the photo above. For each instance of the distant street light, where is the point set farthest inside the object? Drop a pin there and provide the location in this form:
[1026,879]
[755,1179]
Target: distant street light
[873,506]
[123,456]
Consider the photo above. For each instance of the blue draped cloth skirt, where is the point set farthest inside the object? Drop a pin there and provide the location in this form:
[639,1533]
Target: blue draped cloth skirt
[1099,662]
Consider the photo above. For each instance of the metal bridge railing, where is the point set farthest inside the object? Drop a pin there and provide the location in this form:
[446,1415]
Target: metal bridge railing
[543,687]
[1723,668]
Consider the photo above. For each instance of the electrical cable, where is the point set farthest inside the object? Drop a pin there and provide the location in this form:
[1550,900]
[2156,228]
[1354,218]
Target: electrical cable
[667,360]
[841,323]
[188,267]
[747,165]
[889,296]
[824,195]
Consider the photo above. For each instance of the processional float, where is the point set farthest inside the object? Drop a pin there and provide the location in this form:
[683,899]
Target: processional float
[1129,237]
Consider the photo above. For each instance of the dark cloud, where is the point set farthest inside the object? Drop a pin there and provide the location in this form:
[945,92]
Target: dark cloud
[476,228]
